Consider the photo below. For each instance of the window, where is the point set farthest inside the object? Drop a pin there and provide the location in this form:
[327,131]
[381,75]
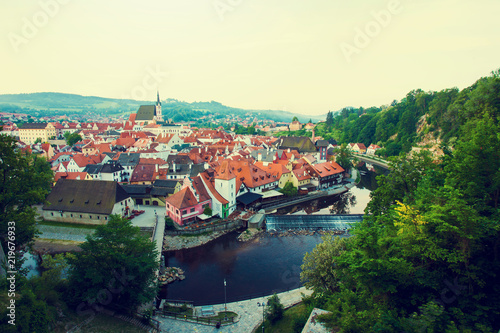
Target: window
[52,214]
[192,210]
[80,216]
[184,212]
[90,216]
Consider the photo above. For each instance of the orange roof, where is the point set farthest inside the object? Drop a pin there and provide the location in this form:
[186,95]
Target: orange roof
[224,171]
[70,175]
[182,199]
[209,184]
[301,174]
[276,170]
[327,169]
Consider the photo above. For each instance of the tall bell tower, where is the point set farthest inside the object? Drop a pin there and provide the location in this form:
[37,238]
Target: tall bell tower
[159,116]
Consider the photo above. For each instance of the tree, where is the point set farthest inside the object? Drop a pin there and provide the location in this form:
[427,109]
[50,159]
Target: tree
[289,190]
[25,180]
[344,157]
[295,119]
[72,138]
[329,118]
[275,309]
[207,211]
[116,267]
[319,268]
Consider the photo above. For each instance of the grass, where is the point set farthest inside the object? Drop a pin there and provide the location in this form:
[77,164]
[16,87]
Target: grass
[67,225]
[293,320]
[58,241]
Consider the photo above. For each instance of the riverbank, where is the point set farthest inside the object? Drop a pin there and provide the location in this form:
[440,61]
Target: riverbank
[55,246]
[179,242]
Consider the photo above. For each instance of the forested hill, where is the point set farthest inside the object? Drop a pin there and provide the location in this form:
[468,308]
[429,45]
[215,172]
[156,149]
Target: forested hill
[421,118]
[49,104]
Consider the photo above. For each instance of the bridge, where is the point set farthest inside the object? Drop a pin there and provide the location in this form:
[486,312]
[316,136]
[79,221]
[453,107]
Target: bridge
[312,222]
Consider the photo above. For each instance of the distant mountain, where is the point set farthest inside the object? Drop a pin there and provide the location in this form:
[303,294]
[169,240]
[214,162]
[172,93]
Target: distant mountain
[48,103]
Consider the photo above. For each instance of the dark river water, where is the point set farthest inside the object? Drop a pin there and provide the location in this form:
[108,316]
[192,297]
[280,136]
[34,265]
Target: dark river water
[263,266]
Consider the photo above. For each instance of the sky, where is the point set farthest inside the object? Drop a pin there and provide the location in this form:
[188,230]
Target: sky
[306,57]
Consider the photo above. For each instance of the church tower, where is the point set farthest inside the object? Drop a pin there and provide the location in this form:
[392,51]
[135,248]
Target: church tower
[159,116]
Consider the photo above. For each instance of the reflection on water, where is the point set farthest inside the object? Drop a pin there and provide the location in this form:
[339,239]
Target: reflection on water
[260,267]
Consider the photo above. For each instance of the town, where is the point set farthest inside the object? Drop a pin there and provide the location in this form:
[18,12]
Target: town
[196,175]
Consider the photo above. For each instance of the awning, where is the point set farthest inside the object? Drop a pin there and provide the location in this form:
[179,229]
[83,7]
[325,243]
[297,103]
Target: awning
[248,198]
[271,194]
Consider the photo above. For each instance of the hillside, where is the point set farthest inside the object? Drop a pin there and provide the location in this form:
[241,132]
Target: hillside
[429,119]
[48,103]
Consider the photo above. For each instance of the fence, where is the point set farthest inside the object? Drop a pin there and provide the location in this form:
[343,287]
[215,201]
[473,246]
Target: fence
[219,226]
[197,319]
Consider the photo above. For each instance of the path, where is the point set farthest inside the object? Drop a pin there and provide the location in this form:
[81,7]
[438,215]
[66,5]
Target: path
[249,312]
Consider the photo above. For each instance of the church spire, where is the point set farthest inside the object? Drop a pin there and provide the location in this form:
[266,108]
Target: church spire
[158,98]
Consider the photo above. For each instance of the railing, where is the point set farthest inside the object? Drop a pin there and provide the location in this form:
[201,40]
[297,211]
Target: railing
[198,319]
[215,227]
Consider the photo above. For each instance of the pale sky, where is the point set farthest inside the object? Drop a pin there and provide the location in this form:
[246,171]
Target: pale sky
[302,56]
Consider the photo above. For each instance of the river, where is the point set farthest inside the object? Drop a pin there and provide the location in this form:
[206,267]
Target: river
[260,267]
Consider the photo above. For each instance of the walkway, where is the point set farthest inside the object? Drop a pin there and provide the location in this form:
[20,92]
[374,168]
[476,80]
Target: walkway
[250,315]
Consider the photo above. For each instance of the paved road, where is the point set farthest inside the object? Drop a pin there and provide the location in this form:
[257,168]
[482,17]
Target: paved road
[249,313]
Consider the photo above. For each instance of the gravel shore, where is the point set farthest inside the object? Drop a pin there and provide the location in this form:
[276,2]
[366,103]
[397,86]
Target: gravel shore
[172,243]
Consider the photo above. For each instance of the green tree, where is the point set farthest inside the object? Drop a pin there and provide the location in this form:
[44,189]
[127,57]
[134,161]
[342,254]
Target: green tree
[319,268]
[275,309]
[72,138]
[289,190]
[329,118]
[207,211]
[115,267]
[295,118]
[344,157]
[25,180]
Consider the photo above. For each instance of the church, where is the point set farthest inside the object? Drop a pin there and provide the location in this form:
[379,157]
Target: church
[150,114]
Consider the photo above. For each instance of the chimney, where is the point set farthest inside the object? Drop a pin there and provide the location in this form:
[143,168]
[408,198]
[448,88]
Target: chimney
[259,157]
[156,167]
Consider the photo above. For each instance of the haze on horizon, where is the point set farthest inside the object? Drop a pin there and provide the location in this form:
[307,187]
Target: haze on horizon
[303,57]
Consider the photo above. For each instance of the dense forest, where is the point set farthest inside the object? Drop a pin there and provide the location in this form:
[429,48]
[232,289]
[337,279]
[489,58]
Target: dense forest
[426,257]
[424,118]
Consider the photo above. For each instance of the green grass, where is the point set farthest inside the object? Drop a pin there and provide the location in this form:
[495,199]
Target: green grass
[290,322]
[67,225]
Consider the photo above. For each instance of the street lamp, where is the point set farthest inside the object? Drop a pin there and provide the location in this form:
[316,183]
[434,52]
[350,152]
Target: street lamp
[263,305]
[225,300]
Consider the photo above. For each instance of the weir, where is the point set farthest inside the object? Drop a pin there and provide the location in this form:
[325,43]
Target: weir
[312,222]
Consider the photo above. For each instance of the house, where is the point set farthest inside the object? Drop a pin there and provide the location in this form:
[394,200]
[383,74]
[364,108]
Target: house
[359,148]
[322,146]
[71,175]
[145,174]
[326,175]
[184,206]
[111,171]
[372,149]
[86,202]
[300,177]
[128,161]
[278,172]
[302,144]
[220,206]
[295,126]
[30,132]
